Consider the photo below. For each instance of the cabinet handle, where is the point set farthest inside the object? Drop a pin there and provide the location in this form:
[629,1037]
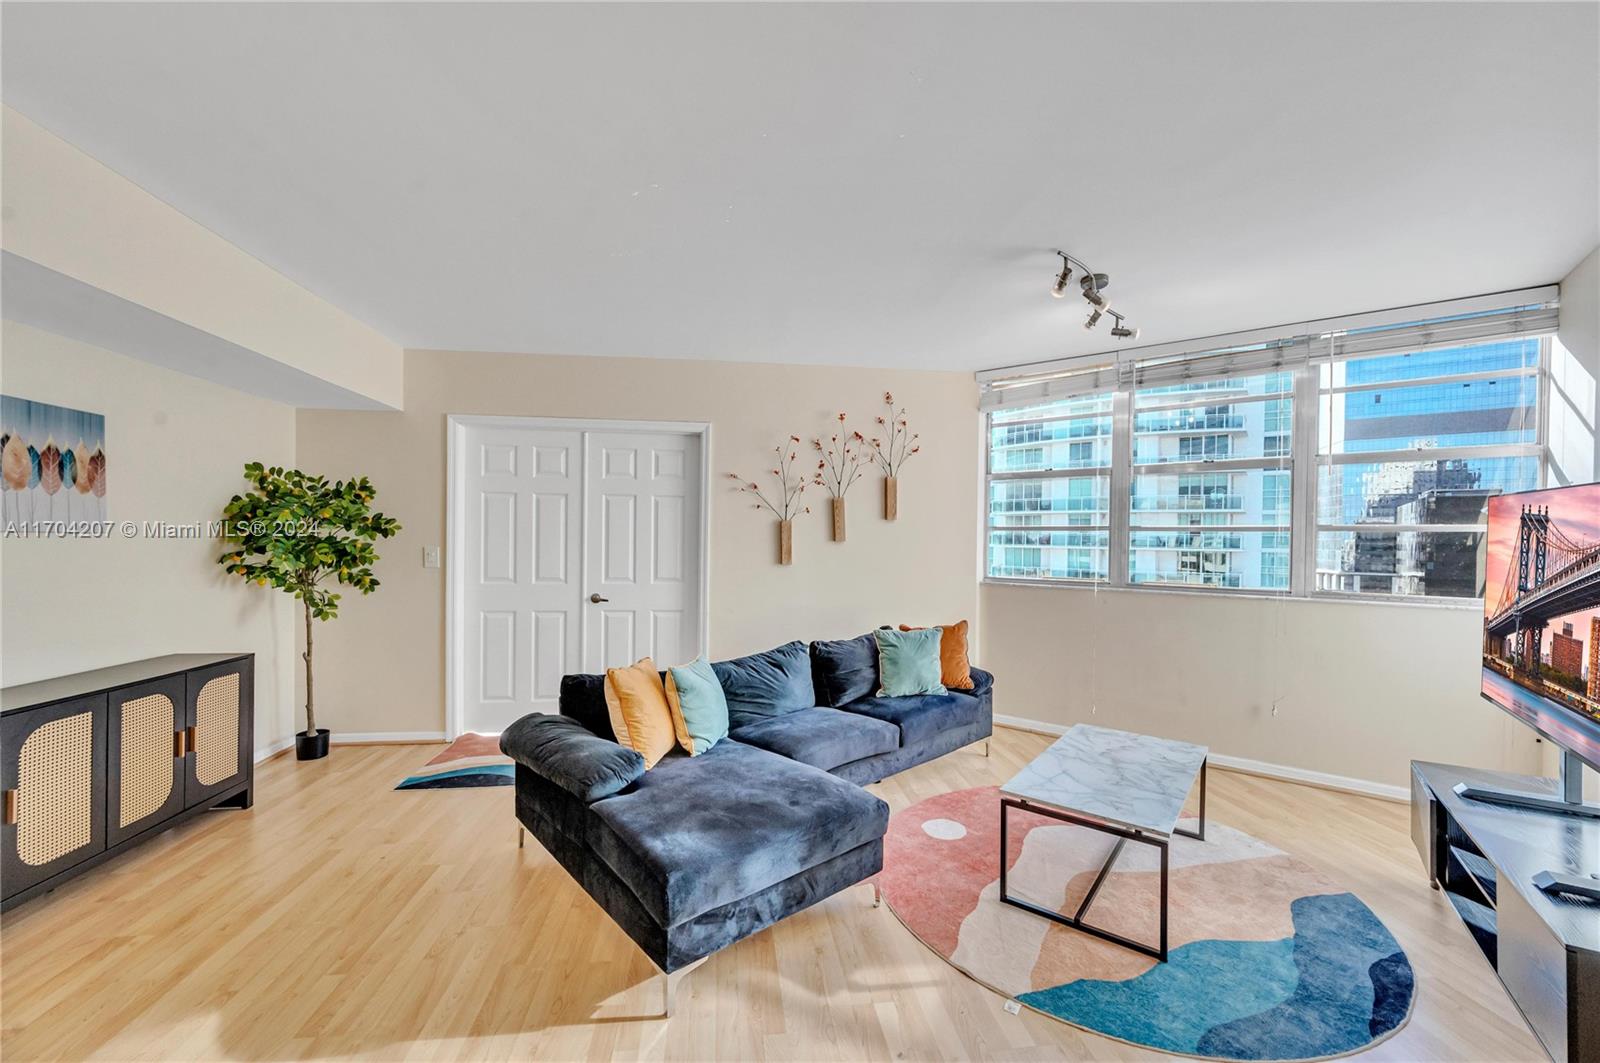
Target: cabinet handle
[177,745]
[188,739]
[10,812]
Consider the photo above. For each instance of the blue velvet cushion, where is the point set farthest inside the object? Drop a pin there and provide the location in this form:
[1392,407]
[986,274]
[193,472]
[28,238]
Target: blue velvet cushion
[924,716]
[822,738]
[908,662]
[698,832]
[845,669]
[563,751]
[766,684]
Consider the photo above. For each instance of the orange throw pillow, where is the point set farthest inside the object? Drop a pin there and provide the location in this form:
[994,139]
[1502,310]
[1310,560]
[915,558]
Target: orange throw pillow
[954,667]
[637,703]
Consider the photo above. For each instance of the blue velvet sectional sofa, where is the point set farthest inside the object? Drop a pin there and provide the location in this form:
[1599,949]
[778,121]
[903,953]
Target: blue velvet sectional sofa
[700,852]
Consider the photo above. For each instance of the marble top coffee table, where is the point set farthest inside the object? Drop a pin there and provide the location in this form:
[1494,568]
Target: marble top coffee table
[1128,785]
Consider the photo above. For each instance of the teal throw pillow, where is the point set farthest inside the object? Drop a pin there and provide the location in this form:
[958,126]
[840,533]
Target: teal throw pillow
[699,708]
[908,662]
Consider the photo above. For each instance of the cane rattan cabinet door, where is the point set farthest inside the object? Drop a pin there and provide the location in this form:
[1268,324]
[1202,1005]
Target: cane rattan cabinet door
[146,746]
[220,720]
[53,770]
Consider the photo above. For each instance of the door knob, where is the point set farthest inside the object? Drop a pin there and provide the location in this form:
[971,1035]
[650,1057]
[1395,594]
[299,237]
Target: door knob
[596,599]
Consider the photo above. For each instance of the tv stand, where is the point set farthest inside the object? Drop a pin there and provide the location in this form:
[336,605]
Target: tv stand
[1544,947]
[1567,801]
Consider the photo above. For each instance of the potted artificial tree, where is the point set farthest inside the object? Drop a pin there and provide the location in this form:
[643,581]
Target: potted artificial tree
[296,531]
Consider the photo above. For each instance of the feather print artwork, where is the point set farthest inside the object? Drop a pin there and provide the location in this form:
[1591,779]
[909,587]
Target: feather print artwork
[50,476]
[32,463]
[97,477]
[14,464]
[14,471]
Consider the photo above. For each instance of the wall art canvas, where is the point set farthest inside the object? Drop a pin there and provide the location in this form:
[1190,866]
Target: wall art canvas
[52,463]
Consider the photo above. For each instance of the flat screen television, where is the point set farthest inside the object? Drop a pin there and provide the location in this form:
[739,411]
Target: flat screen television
[1541,606]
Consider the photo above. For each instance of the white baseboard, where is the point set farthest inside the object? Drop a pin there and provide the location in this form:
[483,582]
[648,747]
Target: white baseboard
[1321,779]
[371,738]
[355,739]
[272,749]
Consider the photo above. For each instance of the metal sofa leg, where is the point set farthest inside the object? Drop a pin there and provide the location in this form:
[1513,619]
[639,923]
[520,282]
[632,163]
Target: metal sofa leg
[986,747]
[521,830]
[877,894]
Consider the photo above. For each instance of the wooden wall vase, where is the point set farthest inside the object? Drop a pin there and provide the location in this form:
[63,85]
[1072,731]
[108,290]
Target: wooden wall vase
[838,520]
[786,542]
[891,498]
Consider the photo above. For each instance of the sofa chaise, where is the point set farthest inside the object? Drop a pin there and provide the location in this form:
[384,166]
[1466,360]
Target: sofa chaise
[700,852]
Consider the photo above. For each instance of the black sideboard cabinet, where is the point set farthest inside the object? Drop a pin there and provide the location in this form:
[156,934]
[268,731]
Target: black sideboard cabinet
[94,763]
[1545,949]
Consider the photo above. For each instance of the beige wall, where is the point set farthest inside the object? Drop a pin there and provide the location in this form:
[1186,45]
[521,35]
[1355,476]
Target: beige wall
[1361,688]
[380,666]
[175,447]
[68,212]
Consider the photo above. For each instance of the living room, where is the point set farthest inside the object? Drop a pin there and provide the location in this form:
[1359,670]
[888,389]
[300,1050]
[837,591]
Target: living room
[807,531]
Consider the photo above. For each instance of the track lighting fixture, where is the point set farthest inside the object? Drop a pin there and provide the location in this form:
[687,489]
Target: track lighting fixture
[1093,286]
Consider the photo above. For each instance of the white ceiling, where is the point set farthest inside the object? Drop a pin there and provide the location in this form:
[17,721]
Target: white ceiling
[843,184]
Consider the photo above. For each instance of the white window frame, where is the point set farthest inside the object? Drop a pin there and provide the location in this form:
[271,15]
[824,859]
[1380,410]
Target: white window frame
[1304,463]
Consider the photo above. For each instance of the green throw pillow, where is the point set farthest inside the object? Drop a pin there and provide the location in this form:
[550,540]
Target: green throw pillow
[699,708]
[908,662]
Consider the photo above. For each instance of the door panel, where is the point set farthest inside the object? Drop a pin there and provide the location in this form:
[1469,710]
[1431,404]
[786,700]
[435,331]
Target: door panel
[220,745]
[144,731]
[522,507]
[644,515]
[52,767]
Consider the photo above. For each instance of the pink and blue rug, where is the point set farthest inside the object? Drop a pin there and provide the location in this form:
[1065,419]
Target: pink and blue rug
[471,760]
[1267,961]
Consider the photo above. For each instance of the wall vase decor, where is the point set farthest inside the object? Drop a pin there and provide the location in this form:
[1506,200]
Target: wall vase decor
[891,450]
[784,501]
[838,467]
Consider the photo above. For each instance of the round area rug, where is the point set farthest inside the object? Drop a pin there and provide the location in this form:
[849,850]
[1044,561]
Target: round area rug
[1266,961]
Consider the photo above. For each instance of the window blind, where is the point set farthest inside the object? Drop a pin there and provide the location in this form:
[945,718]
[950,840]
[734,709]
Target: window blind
[1172,363]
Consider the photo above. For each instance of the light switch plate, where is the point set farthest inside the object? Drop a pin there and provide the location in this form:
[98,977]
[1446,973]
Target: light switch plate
[430,557]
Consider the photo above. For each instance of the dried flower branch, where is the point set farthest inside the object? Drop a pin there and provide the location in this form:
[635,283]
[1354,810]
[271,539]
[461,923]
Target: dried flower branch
[898,442]
[784,500]
[840,464]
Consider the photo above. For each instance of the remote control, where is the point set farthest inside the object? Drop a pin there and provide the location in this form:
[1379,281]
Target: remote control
[1573,885]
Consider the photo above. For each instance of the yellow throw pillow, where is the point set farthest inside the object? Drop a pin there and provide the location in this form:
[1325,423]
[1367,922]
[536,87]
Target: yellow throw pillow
[637,703]
[955,668]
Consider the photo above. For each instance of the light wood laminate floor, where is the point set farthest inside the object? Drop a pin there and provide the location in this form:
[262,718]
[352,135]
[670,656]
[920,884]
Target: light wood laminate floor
[340,918]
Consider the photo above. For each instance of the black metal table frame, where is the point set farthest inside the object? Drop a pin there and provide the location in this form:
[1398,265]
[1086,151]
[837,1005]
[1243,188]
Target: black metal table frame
[1124,835]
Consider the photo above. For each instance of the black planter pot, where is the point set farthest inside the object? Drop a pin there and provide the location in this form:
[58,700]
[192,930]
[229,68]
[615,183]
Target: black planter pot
[311,746]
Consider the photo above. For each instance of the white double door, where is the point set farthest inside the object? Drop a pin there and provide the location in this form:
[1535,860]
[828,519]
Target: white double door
[580,551]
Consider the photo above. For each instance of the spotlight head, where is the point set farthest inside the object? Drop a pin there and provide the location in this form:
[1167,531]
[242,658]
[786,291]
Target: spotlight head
[1123,332]
[1059,290]
[1091,283]
[1094,318]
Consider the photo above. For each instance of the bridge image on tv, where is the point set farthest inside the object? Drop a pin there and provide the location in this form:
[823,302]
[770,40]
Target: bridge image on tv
[1541,628]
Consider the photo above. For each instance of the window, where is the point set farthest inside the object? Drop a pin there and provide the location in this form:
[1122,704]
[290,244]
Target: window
[1050,490]
[1170,491]
[1410,447]
[1351,461]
